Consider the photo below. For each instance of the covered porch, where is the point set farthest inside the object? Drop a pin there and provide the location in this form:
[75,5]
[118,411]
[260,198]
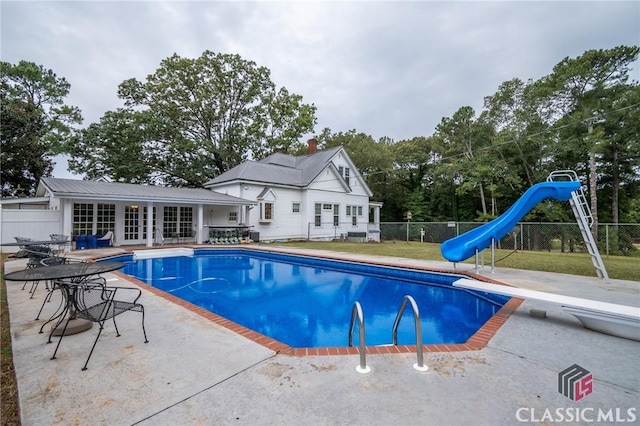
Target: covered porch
[136,215]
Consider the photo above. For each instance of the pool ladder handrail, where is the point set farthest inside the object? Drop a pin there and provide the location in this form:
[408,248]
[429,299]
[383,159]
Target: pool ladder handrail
[416,316]
[362,347]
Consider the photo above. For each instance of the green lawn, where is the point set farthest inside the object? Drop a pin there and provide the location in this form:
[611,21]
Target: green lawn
[626,268]
[10,413]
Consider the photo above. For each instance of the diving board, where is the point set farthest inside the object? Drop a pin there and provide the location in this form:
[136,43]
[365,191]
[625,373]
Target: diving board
[609,318]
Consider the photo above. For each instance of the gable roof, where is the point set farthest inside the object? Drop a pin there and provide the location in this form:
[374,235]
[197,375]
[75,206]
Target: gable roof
[85,189]
[280,169]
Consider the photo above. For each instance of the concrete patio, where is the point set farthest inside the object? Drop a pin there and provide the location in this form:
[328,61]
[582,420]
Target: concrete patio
[196,372]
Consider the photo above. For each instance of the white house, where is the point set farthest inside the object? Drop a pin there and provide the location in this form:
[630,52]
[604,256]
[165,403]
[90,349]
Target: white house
[320,195]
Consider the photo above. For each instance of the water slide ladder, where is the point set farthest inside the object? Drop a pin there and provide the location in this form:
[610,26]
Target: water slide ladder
[583,215]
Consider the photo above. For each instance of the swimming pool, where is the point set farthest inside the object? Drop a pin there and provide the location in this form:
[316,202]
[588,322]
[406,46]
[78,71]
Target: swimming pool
[307,302]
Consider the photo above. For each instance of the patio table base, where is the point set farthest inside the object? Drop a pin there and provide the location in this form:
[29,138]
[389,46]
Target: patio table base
[76,325]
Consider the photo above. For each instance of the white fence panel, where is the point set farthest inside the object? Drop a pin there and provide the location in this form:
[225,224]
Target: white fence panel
[34,224]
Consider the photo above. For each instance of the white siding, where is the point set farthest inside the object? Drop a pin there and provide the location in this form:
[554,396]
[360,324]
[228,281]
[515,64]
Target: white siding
[285,223]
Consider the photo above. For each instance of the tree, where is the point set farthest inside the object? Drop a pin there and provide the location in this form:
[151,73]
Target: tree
[286,119]
[34,125]
[118,146]
[202,117]
[464,141]
[580,93]
[521,138]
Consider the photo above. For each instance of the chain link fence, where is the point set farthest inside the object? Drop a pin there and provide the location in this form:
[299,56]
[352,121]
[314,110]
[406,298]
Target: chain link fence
[622,239]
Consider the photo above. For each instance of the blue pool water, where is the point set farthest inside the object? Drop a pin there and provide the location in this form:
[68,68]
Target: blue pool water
[307,302]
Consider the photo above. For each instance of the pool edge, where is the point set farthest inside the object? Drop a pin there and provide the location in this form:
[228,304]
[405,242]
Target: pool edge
[477,341]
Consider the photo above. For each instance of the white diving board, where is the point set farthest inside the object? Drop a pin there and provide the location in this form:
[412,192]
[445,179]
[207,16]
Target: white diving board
[609,318]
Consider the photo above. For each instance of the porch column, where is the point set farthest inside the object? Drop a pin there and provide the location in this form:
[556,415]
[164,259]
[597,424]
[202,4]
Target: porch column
[200,223]
[150,230]
[67,221]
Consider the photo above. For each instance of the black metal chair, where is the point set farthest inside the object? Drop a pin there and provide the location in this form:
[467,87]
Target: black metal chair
[35,254]
[21,253]
[59,240]
[98,304]
[57,260]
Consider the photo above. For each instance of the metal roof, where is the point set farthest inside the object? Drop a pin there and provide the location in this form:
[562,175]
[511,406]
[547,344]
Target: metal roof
[280,169]
[85,189]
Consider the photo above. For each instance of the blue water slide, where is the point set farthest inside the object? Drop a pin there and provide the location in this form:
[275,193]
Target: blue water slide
[464,246]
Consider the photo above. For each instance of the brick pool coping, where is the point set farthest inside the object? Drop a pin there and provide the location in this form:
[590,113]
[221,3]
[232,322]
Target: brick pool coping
[478,341]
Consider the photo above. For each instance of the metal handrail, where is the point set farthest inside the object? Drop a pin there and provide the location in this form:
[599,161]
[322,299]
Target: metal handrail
[416,315]
[362,348]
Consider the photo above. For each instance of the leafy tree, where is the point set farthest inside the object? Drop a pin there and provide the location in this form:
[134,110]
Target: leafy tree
[34,125]
[286,119]
[415,162]
[580,92]
[464,141]
[202,117]
[521,138]
[619,156]
[118,146]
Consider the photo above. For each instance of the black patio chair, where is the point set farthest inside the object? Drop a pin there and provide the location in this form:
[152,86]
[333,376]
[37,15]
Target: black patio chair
[98,304]
[58,260]
[21,253]
[35,254]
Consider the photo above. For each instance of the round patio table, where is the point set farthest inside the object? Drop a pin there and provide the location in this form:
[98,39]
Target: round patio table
[77,274]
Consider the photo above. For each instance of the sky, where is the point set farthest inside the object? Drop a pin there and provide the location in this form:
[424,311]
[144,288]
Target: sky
[386,69]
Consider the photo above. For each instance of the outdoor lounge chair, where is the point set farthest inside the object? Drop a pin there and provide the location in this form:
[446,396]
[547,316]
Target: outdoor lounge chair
[106,240]
[97,303]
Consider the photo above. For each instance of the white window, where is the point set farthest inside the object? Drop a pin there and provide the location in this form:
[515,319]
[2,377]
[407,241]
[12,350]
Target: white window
[354,212]
[318,215]
[336,215]
[266,211]
[344,172]
[327,207]
[295,207]
[233,216]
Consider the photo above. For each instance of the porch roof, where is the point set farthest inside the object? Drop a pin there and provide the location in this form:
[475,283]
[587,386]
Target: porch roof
[92,190]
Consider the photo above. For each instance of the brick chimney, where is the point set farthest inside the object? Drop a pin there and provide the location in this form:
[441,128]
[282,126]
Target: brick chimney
[313,145]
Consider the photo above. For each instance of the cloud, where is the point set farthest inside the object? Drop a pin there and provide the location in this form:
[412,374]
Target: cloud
[383,68]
